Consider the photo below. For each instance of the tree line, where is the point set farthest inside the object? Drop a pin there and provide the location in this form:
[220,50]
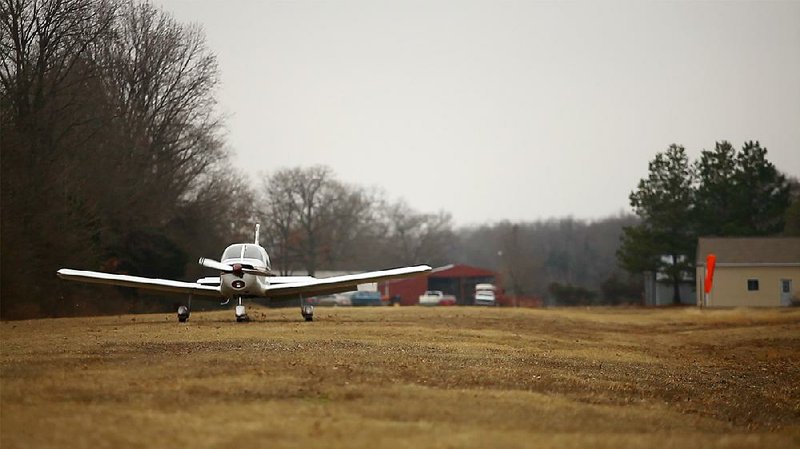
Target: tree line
[561,261]
[313,220]
[112,153]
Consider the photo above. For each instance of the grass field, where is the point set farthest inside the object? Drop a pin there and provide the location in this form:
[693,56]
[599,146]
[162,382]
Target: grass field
[405,377]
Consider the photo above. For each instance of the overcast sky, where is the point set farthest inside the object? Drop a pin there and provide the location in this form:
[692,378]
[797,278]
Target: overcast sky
[496,110]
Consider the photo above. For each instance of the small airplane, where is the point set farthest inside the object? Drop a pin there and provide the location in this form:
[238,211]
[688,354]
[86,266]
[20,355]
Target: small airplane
[245,272]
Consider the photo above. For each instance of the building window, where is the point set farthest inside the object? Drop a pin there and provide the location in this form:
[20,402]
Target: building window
[752,285]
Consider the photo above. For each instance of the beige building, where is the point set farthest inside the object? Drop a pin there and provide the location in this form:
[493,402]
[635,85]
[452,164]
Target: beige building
[750,272]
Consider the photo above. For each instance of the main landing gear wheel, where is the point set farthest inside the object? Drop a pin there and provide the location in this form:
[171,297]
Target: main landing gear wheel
[183,311]
[308,312]
[183,314]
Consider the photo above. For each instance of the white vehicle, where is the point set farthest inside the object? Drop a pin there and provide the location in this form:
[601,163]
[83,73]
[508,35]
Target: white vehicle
[245,272]
[334,300]
[485,295]
[436,298]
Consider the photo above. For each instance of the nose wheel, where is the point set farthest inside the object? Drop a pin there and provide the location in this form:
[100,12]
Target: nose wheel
[241,312]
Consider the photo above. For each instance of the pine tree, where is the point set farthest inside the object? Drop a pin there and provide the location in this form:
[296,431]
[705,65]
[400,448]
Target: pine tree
[665,240]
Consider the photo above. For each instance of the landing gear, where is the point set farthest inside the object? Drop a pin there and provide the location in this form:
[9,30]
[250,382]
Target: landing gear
[184,311]
[241,312]
[307,310]
[183,314]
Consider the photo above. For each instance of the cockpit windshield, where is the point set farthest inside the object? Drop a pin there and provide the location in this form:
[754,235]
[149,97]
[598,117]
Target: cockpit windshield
[244,251]
[252,252]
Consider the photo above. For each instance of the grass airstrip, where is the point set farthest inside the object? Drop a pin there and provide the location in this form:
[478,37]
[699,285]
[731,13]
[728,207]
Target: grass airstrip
[449,377]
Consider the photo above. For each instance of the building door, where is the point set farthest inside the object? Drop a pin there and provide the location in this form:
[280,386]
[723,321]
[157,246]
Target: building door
[786,292]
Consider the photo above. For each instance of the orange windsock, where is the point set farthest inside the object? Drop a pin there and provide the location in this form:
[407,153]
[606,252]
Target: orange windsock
[711,262]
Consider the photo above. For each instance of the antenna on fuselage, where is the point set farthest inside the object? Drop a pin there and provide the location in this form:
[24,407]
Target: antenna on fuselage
[258,227]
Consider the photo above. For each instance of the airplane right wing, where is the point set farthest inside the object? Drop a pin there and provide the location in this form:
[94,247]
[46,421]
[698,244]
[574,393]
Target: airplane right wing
[289,279]
[337,284]
[121,280]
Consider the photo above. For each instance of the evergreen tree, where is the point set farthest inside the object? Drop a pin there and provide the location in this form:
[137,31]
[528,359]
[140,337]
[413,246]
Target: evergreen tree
[715,199]
[791,225]
[664,240]
[762,192]
[739,194]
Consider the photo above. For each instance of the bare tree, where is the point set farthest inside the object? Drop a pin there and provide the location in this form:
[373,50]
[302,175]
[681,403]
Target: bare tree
[46,111]
[42,43]
[414,237]
[108,126]
[278,212]
[313,218]
[162,77]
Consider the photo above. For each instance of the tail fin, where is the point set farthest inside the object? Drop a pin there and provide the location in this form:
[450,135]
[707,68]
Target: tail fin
[258,227]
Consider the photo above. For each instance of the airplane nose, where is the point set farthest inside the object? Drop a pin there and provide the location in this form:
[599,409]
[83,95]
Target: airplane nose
[237,269]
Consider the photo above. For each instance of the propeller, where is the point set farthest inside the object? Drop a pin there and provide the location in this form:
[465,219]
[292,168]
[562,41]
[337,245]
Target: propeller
[235,268]
[211,263]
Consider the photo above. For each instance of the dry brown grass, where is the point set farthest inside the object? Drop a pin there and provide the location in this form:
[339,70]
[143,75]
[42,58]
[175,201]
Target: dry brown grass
[405,377]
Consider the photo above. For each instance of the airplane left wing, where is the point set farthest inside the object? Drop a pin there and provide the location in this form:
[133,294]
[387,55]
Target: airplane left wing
[121,280]
[337,284]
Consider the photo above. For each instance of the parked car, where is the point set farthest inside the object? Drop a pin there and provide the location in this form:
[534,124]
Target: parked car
[485,295]
[436,298]
[364,298]
[331,300]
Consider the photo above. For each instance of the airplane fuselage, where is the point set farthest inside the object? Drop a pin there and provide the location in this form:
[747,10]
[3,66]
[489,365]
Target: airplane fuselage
[245,285]
[239,283]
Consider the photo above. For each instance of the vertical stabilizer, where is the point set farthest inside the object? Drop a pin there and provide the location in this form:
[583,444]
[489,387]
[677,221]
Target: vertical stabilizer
[258,227]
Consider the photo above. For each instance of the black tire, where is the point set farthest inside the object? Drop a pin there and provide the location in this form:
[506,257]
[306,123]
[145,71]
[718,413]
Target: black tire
[309,317]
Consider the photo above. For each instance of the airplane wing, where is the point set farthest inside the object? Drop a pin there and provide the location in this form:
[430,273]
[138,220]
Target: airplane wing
[121,280]
[289,279]
[336,284]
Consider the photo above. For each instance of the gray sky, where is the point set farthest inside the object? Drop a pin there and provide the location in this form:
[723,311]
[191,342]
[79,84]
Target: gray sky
[498,110]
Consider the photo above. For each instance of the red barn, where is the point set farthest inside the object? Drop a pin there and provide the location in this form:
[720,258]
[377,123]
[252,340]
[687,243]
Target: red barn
[457,280]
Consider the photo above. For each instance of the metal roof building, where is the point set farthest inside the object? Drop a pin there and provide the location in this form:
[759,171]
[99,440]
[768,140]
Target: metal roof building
[457,280]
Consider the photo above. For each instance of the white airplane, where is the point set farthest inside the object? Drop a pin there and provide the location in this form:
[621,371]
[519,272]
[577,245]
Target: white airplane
[245,272]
